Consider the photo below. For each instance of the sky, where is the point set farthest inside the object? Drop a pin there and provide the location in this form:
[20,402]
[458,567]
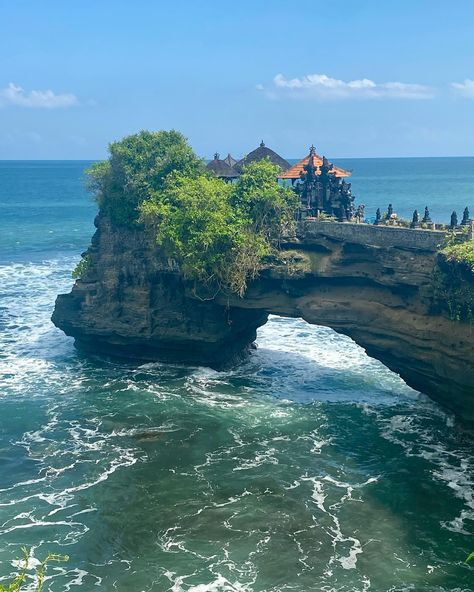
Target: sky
[361,78]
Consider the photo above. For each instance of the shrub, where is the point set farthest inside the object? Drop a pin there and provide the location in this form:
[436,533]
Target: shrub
[269,207]
[453,280]
[462,253]
[81,267]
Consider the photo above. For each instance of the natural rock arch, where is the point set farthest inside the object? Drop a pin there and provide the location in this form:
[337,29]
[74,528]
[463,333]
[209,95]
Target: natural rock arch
[373,284]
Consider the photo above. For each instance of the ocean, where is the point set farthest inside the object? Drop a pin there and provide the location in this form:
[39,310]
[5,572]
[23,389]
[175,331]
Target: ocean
[310,467]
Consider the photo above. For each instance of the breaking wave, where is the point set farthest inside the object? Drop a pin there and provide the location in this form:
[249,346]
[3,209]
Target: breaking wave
[311,466]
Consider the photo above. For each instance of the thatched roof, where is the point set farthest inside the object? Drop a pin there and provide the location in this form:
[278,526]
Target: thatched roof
[221,169]
[230,160]
[296,171]
[259,154]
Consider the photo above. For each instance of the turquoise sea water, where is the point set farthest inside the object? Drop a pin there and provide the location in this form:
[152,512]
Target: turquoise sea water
[310,467]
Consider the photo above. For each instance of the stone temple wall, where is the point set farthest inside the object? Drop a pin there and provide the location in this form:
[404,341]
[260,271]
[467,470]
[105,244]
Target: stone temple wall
[377,236]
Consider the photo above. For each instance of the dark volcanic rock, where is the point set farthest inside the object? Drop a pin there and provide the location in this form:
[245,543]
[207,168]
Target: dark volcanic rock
[377,289]
[132,302]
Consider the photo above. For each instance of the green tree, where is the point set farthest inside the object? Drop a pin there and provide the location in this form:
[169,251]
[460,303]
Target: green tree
[196,224]
[137,168]
[218,233]
[270,207]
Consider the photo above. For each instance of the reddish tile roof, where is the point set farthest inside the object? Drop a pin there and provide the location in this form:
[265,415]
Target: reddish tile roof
[295,171]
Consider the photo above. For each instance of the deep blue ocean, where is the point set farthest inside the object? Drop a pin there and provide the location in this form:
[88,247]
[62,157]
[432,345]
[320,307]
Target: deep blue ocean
[310,467]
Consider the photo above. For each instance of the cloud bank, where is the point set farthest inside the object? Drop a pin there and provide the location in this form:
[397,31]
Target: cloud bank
[16,96]
[464,89]
[323,87]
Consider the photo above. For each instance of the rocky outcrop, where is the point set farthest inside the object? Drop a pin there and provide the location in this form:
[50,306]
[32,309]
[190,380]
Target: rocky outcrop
[376,288]
[132,302]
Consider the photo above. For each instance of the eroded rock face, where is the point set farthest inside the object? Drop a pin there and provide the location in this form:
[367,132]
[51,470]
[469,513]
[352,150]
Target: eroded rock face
[133,302]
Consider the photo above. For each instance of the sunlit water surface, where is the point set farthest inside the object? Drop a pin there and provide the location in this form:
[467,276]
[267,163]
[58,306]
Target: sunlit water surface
[310,467]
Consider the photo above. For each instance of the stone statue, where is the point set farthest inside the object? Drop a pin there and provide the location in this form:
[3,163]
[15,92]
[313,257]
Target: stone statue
[389,212]
[426,218]
[465,217]
[415,223]
[454,219]
[378,217]
[351,212]
[360,213]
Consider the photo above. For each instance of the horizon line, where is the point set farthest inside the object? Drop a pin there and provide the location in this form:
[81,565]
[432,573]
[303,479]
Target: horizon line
[286,157]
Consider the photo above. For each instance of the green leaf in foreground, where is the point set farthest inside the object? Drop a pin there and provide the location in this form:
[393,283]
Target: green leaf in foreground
[16,585]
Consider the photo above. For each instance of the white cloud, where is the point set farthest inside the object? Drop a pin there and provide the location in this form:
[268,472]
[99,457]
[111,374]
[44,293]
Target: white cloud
[465,89]
[14,95]
[323,87]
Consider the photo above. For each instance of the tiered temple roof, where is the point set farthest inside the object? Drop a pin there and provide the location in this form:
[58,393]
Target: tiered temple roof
[298,169]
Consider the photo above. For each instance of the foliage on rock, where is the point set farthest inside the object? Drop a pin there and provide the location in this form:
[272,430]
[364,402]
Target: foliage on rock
[461,253]
[195,224]
[269,207]
[81,267]
[291,263]
[453,281]
[218,233]
[137,168]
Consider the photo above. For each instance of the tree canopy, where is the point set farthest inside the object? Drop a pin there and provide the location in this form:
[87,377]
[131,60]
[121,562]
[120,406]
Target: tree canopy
[137,168]
[219,233]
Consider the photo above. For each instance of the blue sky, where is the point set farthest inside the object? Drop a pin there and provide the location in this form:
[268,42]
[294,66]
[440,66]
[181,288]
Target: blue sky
[356,78]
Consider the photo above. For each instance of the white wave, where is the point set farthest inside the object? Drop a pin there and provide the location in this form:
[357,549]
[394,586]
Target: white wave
[263,467]
[450,466]
[220,584]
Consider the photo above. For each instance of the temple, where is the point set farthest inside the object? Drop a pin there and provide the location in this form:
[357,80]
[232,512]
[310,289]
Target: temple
[259,154]
[229,168]
[223,168]
[319,184]
[322,188]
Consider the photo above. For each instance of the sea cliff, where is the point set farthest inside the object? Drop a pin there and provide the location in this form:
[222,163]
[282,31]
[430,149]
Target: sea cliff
[381,287]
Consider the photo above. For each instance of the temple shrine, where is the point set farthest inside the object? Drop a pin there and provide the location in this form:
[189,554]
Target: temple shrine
[259,154]
[223,168]
[320,185]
